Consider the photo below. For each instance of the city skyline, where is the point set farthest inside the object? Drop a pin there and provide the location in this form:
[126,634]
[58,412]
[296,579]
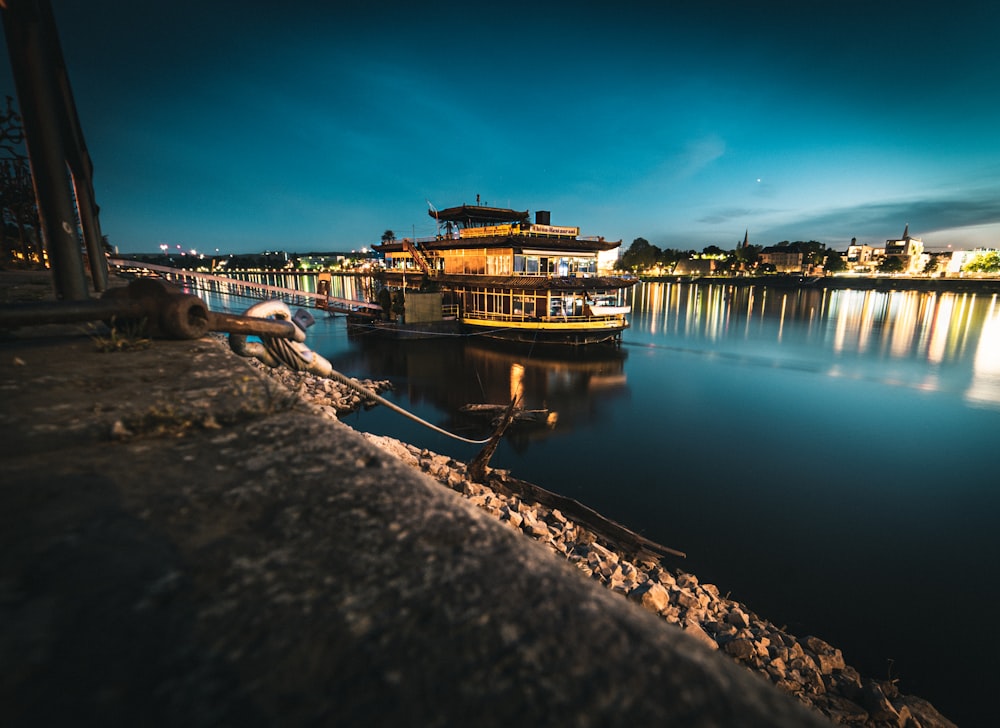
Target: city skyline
[247,127]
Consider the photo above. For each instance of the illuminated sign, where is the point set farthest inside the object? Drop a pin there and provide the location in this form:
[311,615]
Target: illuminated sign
[489,231]
[554,230]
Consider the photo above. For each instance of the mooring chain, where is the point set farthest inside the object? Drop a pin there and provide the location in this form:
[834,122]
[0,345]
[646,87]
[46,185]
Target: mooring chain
[276,351]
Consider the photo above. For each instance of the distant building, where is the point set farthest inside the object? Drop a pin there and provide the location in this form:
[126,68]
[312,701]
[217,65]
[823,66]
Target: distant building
[783,259]
[860,258]
[695,267]
[908,248]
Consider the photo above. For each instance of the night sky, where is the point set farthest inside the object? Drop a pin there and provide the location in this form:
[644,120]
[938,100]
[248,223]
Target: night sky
[309,126]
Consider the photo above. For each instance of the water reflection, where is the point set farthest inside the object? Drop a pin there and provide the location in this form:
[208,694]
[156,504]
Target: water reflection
[985,387]
[239,286]
[452,373]
[930,341]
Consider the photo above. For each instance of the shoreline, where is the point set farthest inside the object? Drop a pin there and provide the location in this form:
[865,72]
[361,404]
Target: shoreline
[841,283]
[807,667]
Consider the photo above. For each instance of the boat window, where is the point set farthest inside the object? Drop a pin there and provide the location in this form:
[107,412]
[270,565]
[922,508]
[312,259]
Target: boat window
[524,306]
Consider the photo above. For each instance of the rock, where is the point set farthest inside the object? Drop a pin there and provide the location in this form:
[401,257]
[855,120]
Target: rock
[741,649]
[686,599]
[664,577]
[877,704]
[671,614]
[687,580]
[843,711]
[539,530]
[815,645]
[921,712]
[828,663]
[848,683]
[762,645]
[694,629]
[804,663]
[515,518]
[777,667]
[827,657]
[813,682]
[119,431]
[737,618]
[611,571]
[652,596]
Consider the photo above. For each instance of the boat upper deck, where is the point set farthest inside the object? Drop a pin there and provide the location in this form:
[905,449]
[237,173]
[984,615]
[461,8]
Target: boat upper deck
[518,240]
[526,282]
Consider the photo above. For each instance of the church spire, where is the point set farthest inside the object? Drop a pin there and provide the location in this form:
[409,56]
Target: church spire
[746,238]
[906,231]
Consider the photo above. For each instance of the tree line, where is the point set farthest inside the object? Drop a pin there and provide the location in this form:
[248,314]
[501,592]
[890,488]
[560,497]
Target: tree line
[641,255]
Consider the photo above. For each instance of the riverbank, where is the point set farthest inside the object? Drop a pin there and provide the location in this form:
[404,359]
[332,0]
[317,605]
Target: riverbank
[860,283]
[190,538]
[186,542]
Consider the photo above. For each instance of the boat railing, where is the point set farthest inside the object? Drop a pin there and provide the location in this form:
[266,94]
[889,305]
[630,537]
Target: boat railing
[580,318]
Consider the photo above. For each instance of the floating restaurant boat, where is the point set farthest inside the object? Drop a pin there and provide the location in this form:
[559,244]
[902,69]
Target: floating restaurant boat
[490,272]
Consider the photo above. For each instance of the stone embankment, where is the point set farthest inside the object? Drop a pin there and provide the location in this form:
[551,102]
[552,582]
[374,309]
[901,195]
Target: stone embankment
[807,667]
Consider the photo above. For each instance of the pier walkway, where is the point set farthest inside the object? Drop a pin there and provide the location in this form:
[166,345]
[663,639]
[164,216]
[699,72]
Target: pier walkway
[235,286]
[183,544]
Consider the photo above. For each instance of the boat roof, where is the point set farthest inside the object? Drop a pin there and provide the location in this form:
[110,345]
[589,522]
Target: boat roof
[471,215]
[534,283]
[529,242]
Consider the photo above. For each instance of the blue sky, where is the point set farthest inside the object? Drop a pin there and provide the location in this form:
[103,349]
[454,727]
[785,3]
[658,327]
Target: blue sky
[247,126]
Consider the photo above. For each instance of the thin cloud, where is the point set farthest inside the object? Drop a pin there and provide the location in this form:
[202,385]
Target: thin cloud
[699,154]
[719,217]
[922,215]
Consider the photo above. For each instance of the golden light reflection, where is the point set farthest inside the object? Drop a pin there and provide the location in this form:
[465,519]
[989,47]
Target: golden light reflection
[937,339]
[985,385]
[516,382]
[781,321]
[902,322]
[937,328]
[654,302]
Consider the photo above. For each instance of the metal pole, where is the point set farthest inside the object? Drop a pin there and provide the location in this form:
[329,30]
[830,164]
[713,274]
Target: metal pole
[32,67]
[77,157]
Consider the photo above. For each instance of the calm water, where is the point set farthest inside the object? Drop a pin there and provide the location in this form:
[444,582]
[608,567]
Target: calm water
[827,458]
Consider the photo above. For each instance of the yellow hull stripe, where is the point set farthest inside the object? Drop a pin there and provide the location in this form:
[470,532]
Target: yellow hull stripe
[545,325]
